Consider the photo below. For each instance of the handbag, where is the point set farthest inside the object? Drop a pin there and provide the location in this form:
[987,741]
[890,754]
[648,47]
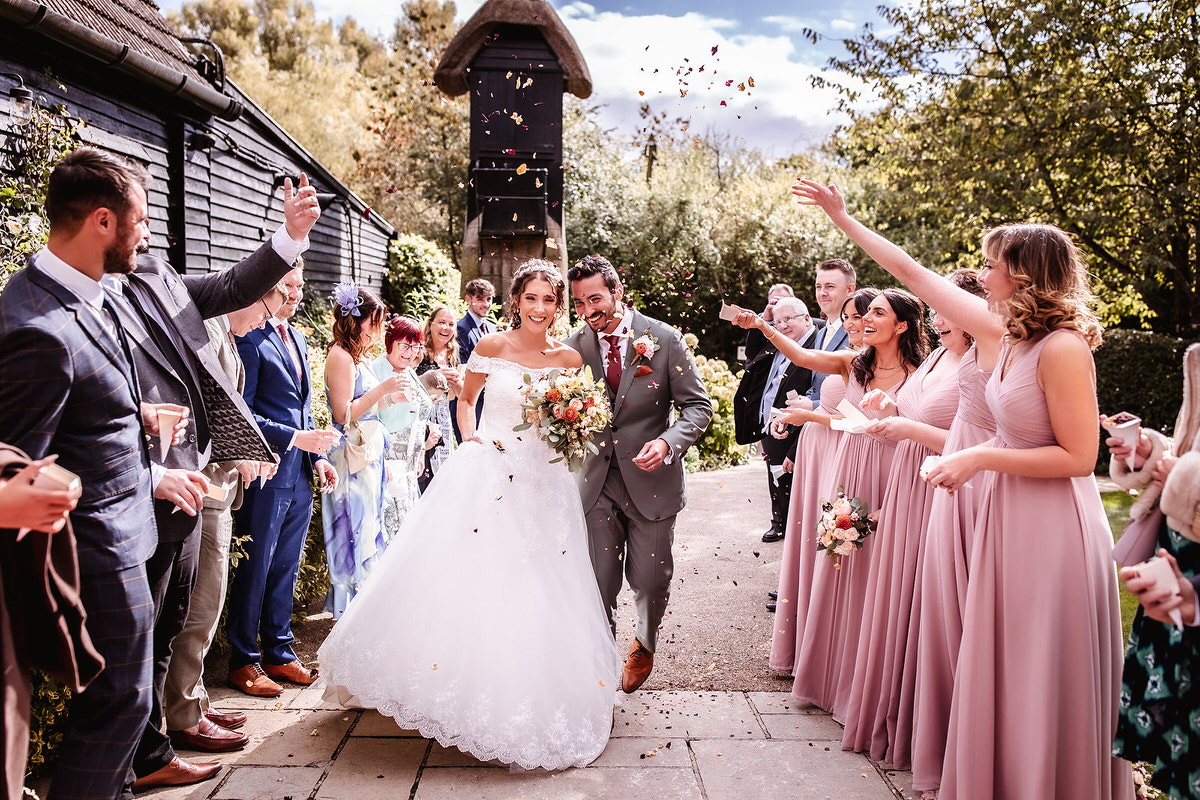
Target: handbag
[364,442]
[1140,539]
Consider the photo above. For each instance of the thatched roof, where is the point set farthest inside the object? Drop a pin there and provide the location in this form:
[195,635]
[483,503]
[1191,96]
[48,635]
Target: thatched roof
[451,73]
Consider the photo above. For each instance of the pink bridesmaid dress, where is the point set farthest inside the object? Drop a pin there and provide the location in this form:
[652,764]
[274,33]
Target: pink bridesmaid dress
[887,644]
[827,643]
[941,590]
[815,450]
[1039,669]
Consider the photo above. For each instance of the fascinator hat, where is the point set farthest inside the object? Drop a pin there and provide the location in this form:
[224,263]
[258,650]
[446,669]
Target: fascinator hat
[347,299]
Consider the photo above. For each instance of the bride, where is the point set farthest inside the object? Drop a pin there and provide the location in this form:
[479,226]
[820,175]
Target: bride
[482,626]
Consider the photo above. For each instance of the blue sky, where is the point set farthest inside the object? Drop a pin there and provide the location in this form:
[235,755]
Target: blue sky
[642,53]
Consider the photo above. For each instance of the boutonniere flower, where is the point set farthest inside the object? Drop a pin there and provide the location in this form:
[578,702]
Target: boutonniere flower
[644,347]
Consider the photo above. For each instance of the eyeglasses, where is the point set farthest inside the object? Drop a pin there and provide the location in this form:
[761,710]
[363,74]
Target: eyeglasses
[785,320]
[409,348]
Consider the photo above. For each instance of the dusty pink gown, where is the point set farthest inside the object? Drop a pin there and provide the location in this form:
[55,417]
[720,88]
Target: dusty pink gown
[941,590]
[1039,669]
[815,450]
[827,642]
[887,645]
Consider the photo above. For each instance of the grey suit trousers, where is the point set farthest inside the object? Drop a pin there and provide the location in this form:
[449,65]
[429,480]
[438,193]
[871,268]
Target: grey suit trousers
[615,527]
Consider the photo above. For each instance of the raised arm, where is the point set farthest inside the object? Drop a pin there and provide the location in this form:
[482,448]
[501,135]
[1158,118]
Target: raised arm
[964,309]
[829,363]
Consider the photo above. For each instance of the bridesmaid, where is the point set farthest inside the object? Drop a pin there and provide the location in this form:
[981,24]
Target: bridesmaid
[815,450]
[353,512]
[407,421]
[895,345]
[441,353]
[942,590]
[879,719]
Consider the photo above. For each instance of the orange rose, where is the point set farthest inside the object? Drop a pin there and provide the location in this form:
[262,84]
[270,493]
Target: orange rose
[554,395]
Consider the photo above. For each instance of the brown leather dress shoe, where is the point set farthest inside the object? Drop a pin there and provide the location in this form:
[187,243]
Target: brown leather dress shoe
[178,773]
[293,672]
[253,681]
[229,720]
[637,667]
[209,737]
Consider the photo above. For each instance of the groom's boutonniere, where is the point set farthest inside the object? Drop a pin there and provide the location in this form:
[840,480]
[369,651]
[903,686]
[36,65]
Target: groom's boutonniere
[644,347]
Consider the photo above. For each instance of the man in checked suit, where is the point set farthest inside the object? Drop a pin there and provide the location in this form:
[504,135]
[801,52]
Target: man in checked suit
[635,487]
[70,387]
[276,515]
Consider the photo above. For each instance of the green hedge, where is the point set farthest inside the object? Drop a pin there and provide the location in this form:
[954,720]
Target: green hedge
[1142,373]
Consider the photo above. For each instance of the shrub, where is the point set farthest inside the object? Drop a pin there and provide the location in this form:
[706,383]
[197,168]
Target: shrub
[716,448]
[1142,373]
[419,276]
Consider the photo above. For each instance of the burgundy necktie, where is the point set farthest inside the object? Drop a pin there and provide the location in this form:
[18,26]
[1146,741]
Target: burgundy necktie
[291,349]
[613,368]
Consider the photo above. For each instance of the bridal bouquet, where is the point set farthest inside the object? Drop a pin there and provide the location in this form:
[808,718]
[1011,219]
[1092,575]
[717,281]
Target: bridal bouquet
[843,526]
[566,408]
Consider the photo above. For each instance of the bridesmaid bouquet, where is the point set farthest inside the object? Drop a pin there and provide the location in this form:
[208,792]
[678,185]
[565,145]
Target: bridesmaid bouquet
[566,408]
[843,526]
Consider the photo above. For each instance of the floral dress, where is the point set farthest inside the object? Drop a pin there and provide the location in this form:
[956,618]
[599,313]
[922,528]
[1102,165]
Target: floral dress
[441,417]
[1159,718]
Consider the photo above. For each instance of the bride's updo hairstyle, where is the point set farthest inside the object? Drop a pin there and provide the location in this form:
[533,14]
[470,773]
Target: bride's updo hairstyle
[536,268]
[1051,282]
[912,345]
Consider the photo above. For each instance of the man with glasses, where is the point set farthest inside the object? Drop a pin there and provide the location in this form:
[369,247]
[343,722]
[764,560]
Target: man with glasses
[768,379]
[275,515]
[191,723]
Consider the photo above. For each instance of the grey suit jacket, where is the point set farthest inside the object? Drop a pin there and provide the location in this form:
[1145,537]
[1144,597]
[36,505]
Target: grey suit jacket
[641,412]
[67,388]
[185,301]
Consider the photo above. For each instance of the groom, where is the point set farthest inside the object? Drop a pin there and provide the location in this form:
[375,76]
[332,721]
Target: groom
[633,489]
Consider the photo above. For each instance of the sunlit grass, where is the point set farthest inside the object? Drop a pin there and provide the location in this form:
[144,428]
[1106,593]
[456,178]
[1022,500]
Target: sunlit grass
[1116,505]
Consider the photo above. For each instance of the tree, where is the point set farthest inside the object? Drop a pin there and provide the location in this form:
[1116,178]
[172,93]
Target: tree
[1083,113]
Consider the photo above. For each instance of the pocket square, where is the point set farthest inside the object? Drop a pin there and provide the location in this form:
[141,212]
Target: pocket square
[643,371]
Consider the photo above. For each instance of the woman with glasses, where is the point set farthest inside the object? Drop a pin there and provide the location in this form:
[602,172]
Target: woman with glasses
[407,421]
[441,353]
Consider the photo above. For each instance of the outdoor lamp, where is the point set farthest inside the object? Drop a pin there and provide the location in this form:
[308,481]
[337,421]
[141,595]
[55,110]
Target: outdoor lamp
[22,99]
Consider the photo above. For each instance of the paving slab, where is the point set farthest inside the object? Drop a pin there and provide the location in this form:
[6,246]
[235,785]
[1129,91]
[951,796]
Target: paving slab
[780,703]
[291,738]
[374,769]
[593,783]
[644,753]
[740,769]
[269,783]
[372,723]
[693,715]
[805,727]
[223,698]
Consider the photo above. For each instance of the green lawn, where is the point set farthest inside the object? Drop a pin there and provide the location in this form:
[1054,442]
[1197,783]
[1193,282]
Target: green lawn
[1116,505]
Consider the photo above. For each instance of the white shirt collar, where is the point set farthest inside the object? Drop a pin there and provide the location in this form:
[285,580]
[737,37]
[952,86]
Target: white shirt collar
[478,319]
[88,290]
[275,322]
[623,326]
[833,325]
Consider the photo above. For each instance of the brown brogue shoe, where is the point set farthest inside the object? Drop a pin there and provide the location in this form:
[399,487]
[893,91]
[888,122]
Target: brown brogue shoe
[637,667]
[178,773]
[293,672]
[229,720]
[209,737]
[253,681]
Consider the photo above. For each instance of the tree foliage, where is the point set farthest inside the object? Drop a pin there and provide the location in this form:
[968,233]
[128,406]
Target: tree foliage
[1083,113]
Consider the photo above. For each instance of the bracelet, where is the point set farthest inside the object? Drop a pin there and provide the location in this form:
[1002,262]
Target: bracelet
[771,336]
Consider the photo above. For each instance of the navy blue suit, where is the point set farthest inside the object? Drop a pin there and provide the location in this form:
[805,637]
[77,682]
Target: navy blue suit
[469,335]
[275,516]
[68,388]
[841,340]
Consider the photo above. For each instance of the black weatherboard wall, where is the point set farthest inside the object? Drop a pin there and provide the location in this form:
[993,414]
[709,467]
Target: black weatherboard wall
[115,65]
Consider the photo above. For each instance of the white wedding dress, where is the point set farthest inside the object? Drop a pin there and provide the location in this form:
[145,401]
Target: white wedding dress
[482,625]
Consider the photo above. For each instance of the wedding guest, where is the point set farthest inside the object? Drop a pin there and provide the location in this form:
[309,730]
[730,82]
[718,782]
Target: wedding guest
[815,450]
[895,344]
[275,515]
[1160,684]
[834,284]
[1059,610]
[766,382]
[879,718]
[407,421]
[755,341]
[474,325]
[191,722]
[442,353]
[26,504]
[942,589]
[353,512]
